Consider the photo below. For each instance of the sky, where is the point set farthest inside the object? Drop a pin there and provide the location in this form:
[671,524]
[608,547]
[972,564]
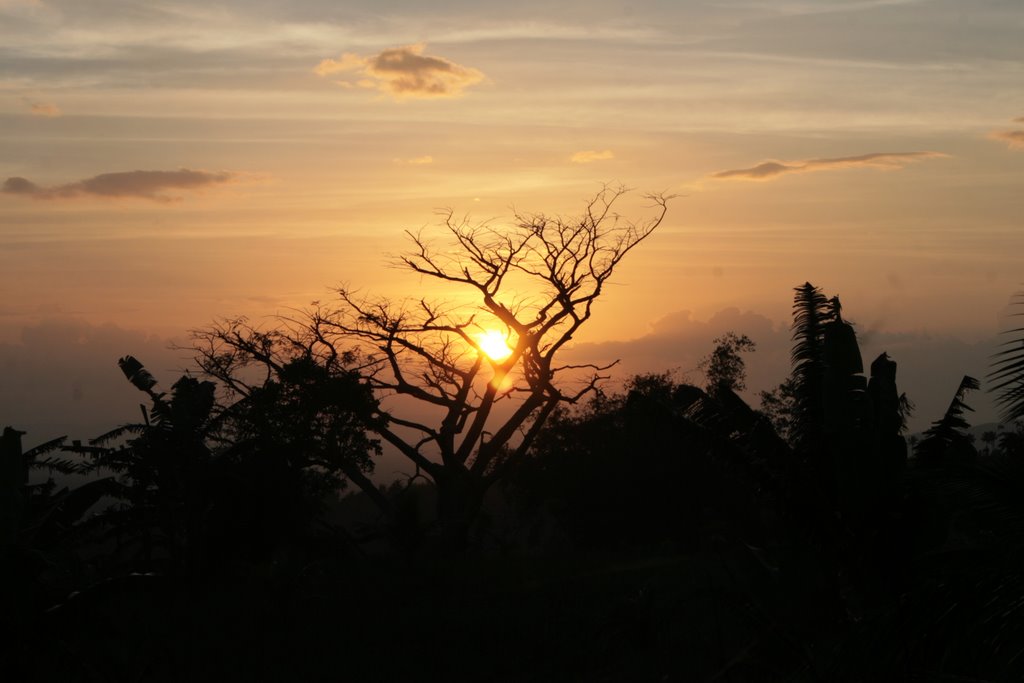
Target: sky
[167,164]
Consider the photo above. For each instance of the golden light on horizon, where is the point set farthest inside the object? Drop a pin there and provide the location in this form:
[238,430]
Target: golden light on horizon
[494,345]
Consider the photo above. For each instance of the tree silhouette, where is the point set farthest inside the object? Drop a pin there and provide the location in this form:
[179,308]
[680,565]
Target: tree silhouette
[778,405]
[947,439]
[844,484]
[1007,374]
[724,368]
[665,507]
[164,473]
[659,463]
[811,312]
[534,284]
[199,485]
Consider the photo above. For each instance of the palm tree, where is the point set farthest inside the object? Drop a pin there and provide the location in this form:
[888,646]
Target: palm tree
[947,440]
[201,482]
[811,311]
[1007,375]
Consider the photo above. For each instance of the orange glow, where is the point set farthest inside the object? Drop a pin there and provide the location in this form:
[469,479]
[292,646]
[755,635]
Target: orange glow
[502,381]
[494,345]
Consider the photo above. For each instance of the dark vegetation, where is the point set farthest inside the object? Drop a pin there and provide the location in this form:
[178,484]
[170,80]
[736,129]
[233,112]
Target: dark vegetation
[547,532]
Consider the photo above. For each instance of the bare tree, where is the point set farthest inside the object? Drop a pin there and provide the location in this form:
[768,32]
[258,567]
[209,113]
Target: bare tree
[526,289]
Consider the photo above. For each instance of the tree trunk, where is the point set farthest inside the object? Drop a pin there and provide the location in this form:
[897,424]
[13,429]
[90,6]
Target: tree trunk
[459,499]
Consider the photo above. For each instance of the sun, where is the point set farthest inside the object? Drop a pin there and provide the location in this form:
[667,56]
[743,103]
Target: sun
[494,345]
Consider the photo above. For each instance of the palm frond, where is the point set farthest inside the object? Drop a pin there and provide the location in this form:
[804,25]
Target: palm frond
[137,374]
[810,307]
[1006,378]
[811,311]
[947,436]
[43,448]
[906,411]
[63,465]
[117,433]
[69,507]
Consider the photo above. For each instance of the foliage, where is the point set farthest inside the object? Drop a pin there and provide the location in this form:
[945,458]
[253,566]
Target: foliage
[201,482]
[428,354]
[164,473]
[946,440]
[725,368]
[660,462]
[318,417]
[40,517]
[811,312]
[1007,373]
[779,406]
[662,527]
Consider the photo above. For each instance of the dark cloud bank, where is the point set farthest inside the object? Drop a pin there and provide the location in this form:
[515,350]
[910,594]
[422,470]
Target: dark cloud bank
[152,185]
[61,376]
[769,170]
[930,366]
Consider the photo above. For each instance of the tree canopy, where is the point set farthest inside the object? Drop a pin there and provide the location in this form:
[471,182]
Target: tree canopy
[533,284]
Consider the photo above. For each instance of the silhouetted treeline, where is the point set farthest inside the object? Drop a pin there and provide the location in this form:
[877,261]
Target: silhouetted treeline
[663,532]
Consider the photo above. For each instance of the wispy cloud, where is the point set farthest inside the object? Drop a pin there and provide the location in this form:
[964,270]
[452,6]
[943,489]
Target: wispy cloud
[44,109]
[1014,139]
[590,155]
[543,30]
[416,161]
[403,72]
[769,170]
[152,185]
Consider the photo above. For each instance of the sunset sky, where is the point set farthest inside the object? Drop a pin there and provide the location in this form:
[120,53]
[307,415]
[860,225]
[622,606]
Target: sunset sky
[163,164]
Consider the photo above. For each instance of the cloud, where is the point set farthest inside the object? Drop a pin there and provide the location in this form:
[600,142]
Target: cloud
[770,170]
[134,184]
[44,109]
[679,341]
[416,161]
[16,185]
[403,72]
[590,155]
[1014,139]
